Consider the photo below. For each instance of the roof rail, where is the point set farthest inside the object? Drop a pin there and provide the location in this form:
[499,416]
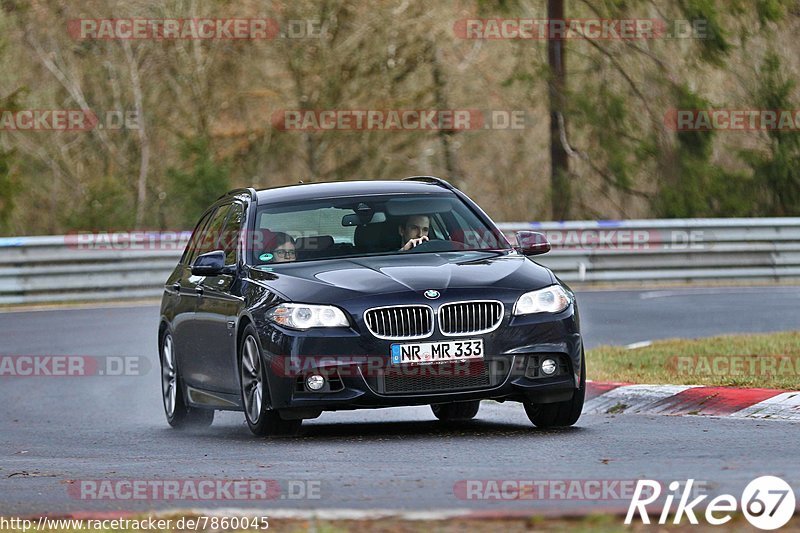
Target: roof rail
[242,190]
[430,179]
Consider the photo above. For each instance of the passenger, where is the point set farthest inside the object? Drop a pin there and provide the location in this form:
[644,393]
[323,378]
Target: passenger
[414,231]
[279,248]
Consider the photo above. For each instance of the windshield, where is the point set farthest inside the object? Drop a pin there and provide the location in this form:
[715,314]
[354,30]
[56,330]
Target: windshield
[369,225]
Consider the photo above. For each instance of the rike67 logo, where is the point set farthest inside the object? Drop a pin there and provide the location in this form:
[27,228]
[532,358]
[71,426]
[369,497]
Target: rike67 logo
[767,502]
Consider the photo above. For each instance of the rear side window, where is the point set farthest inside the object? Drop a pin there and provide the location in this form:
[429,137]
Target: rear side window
[194,242]
[209,239]
[229,240]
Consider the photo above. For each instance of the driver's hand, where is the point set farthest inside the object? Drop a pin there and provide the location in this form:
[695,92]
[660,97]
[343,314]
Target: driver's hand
[414,242]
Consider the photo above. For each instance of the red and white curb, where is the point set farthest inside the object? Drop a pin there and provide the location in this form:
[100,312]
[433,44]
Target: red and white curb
[618,398]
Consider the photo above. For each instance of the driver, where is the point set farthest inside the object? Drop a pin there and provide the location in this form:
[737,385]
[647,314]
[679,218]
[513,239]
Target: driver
[414,231]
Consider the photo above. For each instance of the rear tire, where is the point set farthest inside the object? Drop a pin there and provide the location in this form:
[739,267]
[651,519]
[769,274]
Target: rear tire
[179,414]
[262,420]
[456,412]
[559,414]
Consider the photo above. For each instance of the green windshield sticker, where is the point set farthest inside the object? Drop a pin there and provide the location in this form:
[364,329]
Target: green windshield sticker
[265,257]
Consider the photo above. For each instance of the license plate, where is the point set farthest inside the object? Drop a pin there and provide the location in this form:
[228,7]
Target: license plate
[427,353]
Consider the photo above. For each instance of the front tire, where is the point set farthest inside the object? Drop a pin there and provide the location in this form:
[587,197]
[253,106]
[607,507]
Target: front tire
[456,412]
[179,414]
[559,414]
[261,418]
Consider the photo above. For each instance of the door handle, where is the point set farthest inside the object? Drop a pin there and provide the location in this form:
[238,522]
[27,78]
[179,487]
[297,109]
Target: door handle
[176,286]
[199,290]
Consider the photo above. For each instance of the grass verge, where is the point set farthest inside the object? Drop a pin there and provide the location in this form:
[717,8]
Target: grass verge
[765,360]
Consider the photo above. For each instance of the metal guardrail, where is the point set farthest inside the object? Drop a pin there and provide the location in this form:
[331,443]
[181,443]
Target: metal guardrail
[674,250]
[70,268]
[67,268]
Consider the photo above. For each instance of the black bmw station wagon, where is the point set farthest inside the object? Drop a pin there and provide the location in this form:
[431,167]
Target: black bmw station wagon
[295,300]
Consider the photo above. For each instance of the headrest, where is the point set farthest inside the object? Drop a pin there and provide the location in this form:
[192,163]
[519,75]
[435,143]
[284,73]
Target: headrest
[382,237]
[316,242]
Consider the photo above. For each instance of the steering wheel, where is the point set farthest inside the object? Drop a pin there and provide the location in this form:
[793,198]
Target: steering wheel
[438,245]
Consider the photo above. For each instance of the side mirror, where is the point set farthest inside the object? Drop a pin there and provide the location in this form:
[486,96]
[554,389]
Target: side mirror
[210,264]
[532,243]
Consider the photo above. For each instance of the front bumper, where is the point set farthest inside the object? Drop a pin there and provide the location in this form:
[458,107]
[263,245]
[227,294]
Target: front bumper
[363,376]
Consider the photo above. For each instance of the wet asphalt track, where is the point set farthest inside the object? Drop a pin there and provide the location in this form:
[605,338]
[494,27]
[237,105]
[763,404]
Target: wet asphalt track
[58,431]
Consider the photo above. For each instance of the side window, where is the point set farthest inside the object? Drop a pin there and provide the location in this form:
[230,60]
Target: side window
[191,249]
[436,230]
[471,237]
[229,241]
[210,239]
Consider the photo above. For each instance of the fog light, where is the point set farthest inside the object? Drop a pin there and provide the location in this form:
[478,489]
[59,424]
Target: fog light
[548,367]
[315,382]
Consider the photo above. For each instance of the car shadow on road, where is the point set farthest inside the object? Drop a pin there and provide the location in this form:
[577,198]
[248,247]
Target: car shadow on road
[390,430]
[423,429]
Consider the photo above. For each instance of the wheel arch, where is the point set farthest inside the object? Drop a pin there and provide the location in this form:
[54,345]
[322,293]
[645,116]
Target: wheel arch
[269,376]
[163,327]
[244,320]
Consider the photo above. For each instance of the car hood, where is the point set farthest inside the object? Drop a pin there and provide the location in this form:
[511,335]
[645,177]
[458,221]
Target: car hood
[336,280]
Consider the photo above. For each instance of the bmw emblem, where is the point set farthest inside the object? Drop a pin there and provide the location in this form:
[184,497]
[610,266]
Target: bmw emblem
[431,294]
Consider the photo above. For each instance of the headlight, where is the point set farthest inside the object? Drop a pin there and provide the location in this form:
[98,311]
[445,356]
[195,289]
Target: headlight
[550,300]
[305,316]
